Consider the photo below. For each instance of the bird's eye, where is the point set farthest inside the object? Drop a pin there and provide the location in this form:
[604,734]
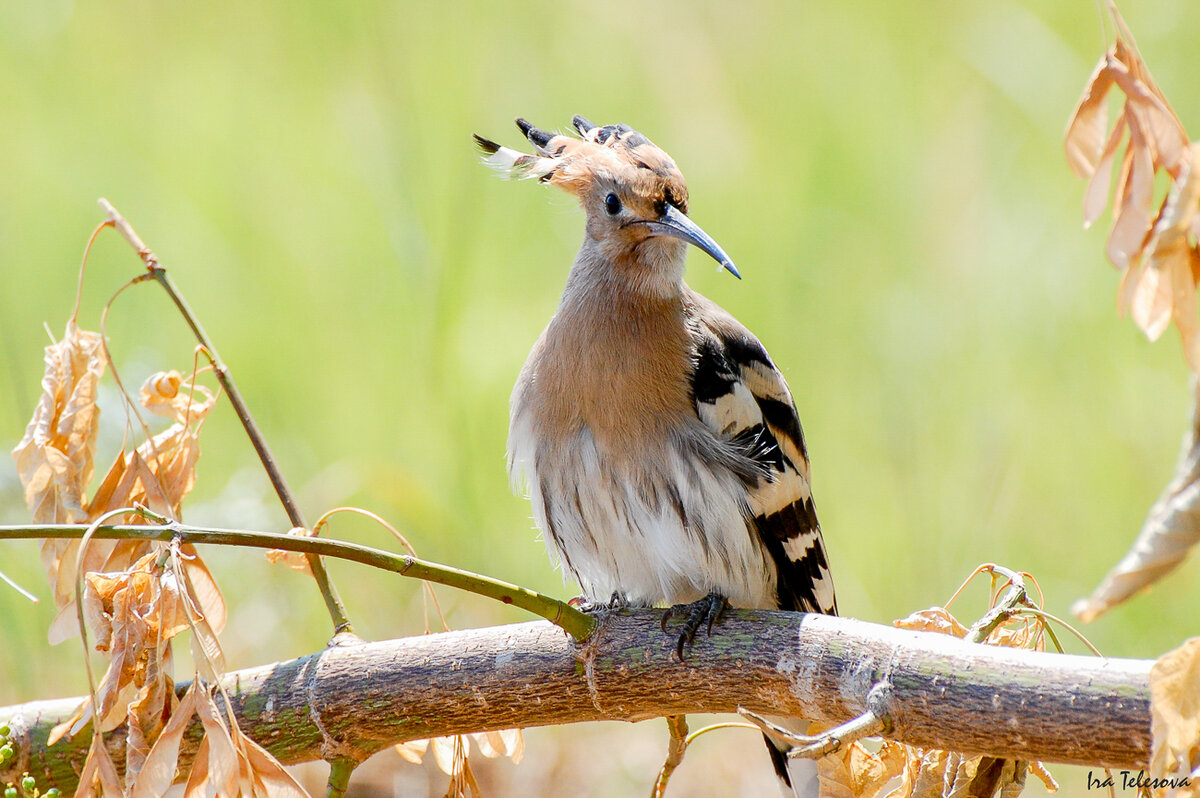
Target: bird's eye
[612,204]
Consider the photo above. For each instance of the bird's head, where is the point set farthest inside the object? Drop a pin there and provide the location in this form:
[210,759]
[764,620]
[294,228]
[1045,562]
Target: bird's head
[634,195]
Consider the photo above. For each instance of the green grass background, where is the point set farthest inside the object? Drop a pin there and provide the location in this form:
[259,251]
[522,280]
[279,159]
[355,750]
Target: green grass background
[888,177]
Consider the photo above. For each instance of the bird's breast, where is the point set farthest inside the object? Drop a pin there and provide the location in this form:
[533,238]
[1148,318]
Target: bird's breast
[621,372]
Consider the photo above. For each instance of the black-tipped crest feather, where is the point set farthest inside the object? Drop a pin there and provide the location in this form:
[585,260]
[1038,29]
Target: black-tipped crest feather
[487,145]
[536,136]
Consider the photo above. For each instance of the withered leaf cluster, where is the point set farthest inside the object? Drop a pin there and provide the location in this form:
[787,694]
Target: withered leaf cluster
[1175,721]
[137,595]
[1154,244]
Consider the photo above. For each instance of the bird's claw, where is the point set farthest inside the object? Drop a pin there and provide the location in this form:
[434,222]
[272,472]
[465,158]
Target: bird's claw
[705,612]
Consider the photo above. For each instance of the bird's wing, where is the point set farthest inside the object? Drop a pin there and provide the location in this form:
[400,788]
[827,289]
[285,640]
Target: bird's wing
[743,398]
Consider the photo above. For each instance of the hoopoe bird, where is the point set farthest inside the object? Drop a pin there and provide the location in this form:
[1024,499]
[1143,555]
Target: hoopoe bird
[658,443]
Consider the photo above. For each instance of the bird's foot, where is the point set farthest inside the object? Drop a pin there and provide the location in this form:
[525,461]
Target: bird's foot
[618,601]
[704,612]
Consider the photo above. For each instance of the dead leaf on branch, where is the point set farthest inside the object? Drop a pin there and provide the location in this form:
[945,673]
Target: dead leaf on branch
[99,775]
[55,458]
[1161,288]
[296,560]
[1175,717]
[133,605]
[134,614]
[158,474]
[160,765]
[1171,529]
[228,764]
[856,772]
[135,624]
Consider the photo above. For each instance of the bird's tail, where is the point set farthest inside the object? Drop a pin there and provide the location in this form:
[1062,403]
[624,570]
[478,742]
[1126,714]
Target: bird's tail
[798,776]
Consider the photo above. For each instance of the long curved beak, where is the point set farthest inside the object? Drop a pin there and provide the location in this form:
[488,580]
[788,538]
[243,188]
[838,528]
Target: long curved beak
[675,224]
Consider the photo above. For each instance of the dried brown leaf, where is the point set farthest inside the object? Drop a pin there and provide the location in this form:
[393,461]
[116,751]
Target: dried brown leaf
[413,750]
[134,613]
[197,785]
[1153,249]
[1096,196]
[1150,300]
[55,457]
[984,777]
[296,560]
[508,742]
[908,775]
[169,394]
[162,471]
[158,474]
[930,775]
[1085,131]
[207,654]
[1171,529]
[1172,251]
[1175,711]
[147,714]
[444,752]
[228,764]
[1132,219]
[203,588]
[98,771]
[1165,136]
[855,772]
[159,769]
[268,775]
[462,782]
[224,770]
[934,619]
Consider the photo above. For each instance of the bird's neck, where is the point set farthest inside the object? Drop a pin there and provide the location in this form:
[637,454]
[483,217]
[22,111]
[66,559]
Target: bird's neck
[648,271]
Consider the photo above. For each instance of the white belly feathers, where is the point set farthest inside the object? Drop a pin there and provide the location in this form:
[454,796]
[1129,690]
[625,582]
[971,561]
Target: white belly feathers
[661,526]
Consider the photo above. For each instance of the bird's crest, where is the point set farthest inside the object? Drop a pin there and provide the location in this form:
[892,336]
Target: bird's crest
[612,152]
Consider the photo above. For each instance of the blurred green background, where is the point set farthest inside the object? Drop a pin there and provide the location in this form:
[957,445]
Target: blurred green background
[888,177]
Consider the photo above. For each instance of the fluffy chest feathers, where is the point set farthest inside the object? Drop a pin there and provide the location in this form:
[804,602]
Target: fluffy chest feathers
[617,369]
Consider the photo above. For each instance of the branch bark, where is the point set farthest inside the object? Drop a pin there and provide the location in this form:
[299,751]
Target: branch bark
[349,702]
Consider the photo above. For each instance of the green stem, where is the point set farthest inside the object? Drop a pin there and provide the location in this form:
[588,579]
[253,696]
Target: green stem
[333,602]
[339,777]
[578,624]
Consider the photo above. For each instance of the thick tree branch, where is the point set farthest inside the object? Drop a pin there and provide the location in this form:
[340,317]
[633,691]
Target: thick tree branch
[352,701]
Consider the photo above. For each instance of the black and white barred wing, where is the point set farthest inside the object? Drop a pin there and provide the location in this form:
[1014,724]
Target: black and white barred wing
[744,399]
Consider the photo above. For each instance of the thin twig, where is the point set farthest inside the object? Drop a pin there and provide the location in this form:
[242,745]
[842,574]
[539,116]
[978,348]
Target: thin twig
[676,748]
[1054,618]
[815,746]
[427,596]
[578,624]
[333,602]
[12,583]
